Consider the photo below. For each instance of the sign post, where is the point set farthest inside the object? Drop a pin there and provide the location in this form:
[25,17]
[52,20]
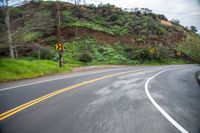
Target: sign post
[151,51]
[59,49]
[178,54]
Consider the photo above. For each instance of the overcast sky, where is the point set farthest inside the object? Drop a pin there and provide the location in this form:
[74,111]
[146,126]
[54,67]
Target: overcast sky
[187,11]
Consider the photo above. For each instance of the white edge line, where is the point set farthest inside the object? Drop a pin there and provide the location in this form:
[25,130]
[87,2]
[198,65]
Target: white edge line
[9,88]
[165,114]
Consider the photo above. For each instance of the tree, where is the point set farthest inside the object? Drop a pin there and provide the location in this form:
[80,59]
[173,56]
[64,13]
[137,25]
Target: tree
[175,21]
[146,11]
[162,17]
[14,20]
[77,2]
[10,20]
[193,29]
[136,11]
[8,26]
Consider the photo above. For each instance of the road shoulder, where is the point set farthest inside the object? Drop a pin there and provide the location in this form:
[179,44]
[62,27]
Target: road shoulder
[198,77]
[76,72]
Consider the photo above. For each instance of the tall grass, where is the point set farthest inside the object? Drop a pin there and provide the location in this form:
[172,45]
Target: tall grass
[20,69]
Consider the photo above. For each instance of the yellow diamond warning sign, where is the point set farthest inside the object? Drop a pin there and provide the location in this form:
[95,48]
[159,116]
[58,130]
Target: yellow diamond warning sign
[178,53]
[151,51]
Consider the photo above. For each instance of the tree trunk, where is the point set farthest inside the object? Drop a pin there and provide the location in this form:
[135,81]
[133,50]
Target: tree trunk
[39,54]
[7,21]
[76,33]
[16,52]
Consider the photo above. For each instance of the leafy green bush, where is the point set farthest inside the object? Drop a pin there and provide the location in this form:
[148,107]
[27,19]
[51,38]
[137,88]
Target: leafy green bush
[44,53]
[88,50]
[85,57]
[138,53]
[162,52]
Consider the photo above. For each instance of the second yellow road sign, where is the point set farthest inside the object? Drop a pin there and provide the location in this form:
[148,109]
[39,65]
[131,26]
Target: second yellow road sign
[152,51]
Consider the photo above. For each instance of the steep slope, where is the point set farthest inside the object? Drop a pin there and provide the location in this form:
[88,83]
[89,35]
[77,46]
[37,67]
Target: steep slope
[135,31]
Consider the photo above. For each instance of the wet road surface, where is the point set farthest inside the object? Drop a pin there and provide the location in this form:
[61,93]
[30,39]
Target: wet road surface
[104,101]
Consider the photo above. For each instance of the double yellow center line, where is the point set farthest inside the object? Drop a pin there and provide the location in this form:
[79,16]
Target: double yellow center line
[17,109]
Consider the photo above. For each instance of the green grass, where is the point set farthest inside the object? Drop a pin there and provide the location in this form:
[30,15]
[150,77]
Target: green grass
[11,69]
[112,30]
[21,69]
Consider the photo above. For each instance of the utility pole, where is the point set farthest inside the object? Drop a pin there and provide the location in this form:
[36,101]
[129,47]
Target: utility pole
[60,51]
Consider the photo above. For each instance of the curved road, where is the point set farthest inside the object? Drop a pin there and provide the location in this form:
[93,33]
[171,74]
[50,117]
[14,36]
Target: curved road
[157,99]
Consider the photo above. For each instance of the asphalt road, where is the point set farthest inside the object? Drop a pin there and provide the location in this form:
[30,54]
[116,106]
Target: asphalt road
[148,99]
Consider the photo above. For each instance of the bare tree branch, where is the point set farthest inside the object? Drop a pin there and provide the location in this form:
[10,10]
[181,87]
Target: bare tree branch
[18,46]
[15,32]
[16,20]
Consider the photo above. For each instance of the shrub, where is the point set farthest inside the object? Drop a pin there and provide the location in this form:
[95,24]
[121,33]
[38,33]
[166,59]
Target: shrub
[137,53]
[162,52]
[44,53]
[85,57]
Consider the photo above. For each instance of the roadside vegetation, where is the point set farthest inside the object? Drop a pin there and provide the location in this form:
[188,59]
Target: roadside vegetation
[191,47]
[11,69]
[89,51]
[91,35]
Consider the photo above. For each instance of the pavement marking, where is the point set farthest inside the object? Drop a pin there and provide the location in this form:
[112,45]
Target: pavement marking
[15,110]
[12,87]
[162,111]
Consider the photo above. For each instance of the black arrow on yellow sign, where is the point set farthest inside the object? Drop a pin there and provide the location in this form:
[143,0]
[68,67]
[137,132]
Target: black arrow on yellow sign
[59,46]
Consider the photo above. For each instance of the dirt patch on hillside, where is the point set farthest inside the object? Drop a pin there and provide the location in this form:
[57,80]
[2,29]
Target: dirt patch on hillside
[166,23]
[171,40]
[101,37]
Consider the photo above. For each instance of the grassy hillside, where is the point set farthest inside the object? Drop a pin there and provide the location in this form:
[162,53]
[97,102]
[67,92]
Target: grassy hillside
[102,34]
